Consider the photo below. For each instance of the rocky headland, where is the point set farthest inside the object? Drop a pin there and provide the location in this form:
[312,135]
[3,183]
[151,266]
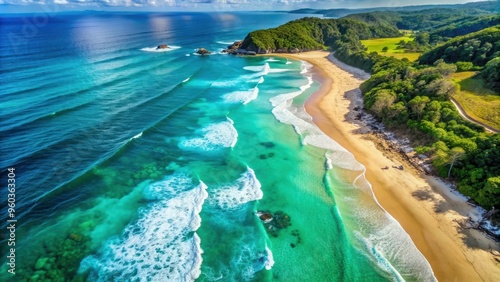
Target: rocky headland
[248,47]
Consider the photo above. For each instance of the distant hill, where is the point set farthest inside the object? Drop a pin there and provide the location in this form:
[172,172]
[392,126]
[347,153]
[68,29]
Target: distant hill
[478,48]
[486,6]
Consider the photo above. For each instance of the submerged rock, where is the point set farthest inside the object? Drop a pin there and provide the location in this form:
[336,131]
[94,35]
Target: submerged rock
[265,216]
[274,222]
[267,144]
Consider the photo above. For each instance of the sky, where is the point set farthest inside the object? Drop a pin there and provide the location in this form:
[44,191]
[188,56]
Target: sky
[207,5]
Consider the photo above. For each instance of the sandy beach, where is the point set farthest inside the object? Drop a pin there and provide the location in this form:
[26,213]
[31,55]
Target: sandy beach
[425,207]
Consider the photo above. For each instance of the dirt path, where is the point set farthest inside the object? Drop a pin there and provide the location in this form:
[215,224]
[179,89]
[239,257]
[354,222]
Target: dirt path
[464,114]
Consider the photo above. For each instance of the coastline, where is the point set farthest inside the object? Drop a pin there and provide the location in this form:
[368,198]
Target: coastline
[424,206]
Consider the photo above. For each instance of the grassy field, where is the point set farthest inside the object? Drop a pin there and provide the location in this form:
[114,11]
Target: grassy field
[480,103]
[376,45]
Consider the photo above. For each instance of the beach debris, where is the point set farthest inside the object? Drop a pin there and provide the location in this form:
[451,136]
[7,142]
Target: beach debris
[274,222]
[482,224]
[385,167]
[162,46]
[203,51]
[496,254]
[398,167]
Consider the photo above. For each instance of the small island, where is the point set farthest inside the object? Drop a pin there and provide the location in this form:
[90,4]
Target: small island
[203,51]
[162,46]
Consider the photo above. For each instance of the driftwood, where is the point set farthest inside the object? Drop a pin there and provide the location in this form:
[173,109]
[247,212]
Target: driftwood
[477,225]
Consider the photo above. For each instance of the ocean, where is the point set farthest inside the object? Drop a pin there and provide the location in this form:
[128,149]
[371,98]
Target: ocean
[138,164]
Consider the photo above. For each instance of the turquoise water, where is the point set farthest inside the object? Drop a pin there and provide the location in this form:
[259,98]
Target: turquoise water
[139,165]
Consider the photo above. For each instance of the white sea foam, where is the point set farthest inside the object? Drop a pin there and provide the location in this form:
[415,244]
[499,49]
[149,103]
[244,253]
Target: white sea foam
[246,260]
[226,42]
[245,189]
[269,259]
[272,60]
[226,83]
[271,70]
[308,85]
[137,136]
[261,70]
[243,97]
[255,68]
[288,62]
[153,49]
[187,55]
[305,67]
[214,137]
[160,245]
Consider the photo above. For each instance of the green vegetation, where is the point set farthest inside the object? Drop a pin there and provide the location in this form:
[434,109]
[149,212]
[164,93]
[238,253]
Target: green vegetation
[491,74]
[480,48]
[393,47]
[312,34]
[486,7]
[463,27]
[479,102]
[414,96]
[477,47]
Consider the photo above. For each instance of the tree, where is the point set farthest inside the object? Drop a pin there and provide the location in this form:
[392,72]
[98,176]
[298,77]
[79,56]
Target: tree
[383,100]
[455,154]
[442,88]
[446,69]
[491,74]
[489,196]
[418,104]
[464,66]
[385,49]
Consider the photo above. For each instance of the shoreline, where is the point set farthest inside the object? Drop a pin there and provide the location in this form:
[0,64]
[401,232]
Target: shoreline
[424,206]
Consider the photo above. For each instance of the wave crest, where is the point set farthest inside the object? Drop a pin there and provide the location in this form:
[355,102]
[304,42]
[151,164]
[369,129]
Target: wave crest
[162,244]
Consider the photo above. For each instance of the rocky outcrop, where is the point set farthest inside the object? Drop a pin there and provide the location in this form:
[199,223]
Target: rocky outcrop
[235,49]
[203,51]
[248,47]
[162,46]
[274,222]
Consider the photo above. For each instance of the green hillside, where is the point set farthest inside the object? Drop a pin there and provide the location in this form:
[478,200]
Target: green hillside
[313,34]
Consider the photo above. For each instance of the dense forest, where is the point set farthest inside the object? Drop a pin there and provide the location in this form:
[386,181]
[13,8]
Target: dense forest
[414,97]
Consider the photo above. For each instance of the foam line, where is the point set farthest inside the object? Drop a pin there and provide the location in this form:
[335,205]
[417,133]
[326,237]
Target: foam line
[246,188]
[162,244]
[214,137]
